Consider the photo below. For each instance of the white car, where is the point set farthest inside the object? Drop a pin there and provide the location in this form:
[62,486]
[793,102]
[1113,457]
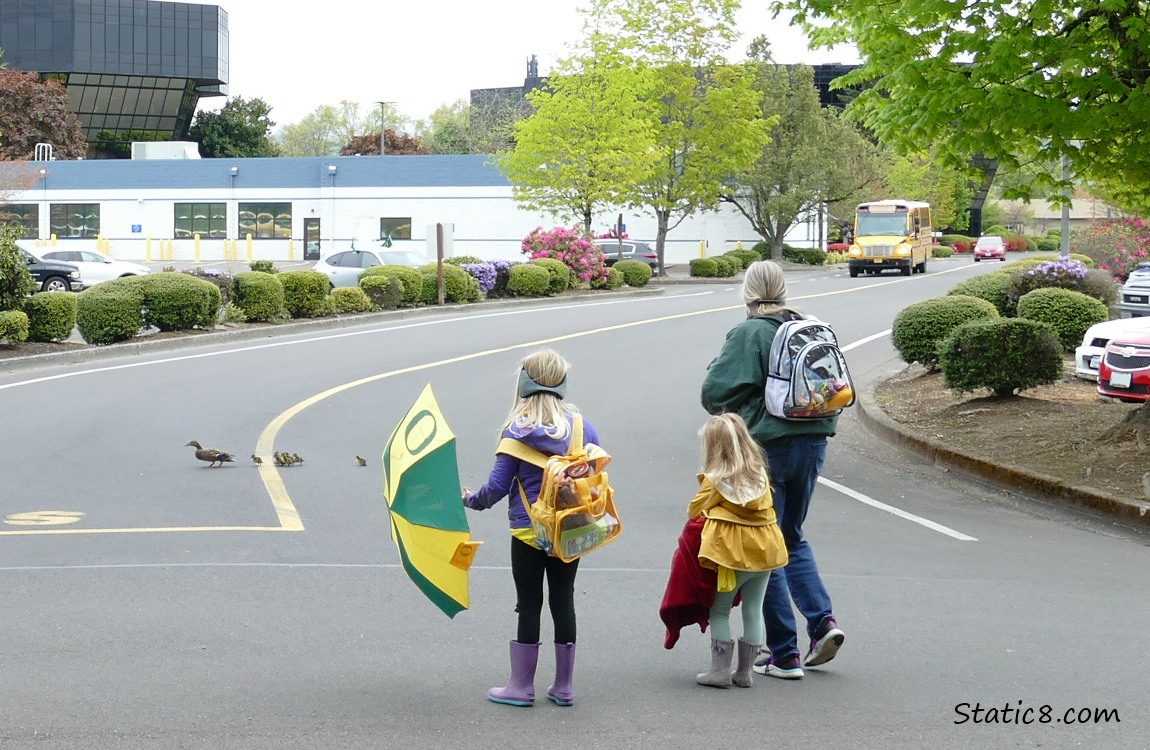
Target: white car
[343,268]
[1087,356]
[96,267]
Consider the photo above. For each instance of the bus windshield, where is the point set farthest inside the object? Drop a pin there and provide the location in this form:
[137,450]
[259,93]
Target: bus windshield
[870,225]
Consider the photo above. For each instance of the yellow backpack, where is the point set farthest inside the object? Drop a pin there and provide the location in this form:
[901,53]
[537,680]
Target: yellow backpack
[575,512]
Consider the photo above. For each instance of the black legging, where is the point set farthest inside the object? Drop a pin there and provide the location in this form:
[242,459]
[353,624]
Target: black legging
[528,564]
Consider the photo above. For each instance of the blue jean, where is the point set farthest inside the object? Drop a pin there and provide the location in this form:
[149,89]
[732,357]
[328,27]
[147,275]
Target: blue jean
[794,465]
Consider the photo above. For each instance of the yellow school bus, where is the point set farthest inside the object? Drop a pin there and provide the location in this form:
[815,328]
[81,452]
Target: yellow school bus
[890,234]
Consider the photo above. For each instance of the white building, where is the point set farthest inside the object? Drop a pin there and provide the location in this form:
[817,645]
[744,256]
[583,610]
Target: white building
[283,209]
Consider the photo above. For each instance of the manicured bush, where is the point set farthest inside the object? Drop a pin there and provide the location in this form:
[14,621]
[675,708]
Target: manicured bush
[919,328]
[1062,274]
[13,326]
[1101,286]
[570,246]
[950,239]
[458,285]
[635,273]
[305,293]
[384,292]
[1001,355]
[411,281]
[941,251]
[16,282]
[350,299]
[1066,311]
[764,250]
[1049,244]
[811,256]
[704,267]
[562,278]
[727,267]
[527,280]
[614,280]
[1014,243]
[175,301]
[995,229]
[263,266]
[991,287]
[464,260]
[110,312]
[745,257]
[259,294]
[220,278]
[51,316]
[837,258]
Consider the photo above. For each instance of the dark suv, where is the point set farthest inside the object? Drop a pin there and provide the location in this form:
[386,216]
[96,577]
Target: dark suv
[52,275]
[632,250]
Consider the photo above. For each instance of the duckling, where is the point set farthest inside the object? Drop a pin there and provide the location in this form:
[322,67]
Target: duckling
[257,460]
[297,458]
[361,460]
[211,455]
[280,458]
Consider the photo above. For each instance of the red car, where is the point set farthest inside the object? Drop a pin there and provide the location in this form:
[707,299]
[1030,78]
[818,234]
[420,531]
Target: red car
[989,248]
[1124,372]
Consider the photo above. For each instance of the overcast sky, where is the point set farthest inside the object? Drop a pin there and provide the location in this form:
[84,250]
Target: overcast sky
[423,53]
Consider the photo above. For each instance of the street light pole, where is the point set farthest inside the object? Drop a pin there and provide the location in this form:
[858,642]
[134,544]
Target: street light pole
[383,127]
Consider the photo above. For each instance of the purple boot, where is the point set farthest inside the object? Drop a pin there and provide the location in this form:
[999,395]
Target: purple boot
[562,693]
[520,690]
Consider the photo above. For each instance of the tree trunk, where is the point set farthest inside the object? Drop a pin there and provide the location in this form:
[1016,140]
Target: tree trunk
[587,220]
[1136,423]
[664,218]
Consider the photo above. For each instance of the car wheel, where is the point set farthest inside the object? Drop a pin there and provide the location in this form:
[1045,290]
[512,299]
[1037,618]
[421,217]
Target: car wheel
[55,284]
[976,260]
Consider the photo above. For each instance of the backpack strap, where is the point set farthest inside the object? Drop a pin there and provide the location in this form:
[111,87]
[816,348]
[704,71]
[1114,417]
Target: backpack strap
[524,452]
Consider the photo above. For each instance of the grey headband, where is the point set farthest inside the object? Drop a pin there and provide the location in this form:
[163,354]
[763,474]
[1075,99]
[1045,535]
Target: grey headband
[529,386]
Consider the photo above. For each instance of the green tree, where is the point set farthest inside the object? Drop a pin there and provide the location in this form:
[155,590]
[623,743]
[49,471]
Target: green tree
[1019,82]
[704,111]
[34,111]
[921,176]
[812,158]
[241,128]
[447,130]
[15,281]
[589,136]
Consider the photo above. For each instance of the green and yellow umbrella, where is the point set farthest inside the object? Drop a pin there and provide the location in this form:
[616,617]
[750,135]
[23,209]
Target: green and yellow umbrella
[421,486]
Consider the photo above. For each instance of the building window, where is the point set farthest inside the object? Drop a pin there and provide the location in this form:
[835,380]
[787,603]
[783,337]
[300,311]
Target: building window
[209,220]
[26,216]
[74,220]
[265,221]
[395,228]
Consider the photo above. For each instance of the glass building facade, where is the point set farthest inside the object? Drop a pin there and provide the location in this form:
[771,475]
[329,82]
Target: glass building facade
[128,65]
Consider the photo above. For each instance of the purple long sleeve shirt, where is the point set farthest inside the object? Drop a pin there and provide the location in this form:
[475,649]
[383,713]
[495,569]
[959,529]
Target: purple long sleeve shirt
[509,473]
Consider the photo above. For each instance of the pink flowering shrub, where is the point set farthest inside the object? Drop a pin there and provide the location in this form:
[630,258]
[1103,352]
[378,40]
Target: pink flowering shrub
[570,246]
[961,247]
[1115,246]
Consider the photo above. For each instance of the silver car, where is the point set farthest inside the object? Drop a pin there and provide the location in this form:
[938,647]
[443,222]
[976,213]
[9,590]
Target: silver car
[1134,296]
[632,250]
[343,268]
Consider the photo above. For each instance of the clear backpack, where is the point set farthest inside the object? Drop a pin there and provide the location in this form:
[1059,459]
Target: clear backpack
[807,375]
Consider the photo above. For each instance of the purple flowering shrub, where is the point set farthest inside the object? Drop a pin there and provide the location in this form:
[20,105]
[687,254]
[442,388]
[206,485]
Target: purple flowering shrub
[1115,246]
[220,278]
[1062,274]
[484,273]
[571,247]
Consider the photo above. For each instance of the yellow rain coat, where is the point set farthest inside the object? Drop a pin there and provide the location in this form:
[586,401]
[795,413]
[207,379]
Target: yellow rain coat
[741,532]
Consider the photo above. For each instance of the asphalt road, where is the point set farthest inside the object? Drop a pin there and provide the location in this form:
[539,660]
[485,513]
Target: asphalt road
[150,602]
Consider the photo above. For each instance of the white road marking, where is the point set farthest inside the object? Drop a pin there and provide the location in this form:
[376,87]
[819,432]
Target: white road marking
[933,526]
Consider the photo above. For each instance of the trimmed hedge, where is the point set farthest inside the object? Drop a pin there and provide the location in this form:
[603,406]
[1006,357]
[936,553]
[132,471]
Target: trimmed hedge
[385,292]
[941,251]
[528,280]
[176,301]
[727,267]
[991,287]
[305,293]
[458,285]
[637,273]
[13,326]
[811,256]
[764,250]
[349,299]
[918,329]
[1067,312]
[562,277]
[51,316]
[411,281]
[110,312]
[745,257]
[259,294]
[704,267]
[1002,355]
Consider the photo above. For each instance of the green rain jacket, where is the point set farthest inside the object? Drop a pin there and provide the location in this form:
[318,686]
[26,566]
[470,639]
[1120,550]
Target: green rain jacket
[736,380]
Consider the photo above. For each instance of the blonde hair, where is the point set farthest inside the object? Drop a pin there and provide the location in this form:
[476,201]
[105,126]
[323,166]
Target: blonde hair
[730,454]
[544,410]
[765,289]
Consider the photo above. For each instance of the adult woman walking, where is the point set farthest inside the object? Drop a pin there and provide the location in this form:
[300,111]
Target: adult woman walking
[794,452]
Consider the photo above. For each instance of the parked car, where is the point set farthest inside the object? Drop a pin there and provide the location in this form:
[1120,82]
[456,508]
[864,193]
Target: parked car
[1088,356]
[96,267]
[52,275]
[343,268]
[1140,271]
[1124,372]
[1134,297]
[632,250]
[990,247]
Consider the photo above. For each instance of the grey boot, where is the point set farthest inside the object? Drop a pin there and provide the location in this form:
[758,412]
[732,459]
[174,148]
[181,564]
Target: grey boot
[720,674]
[743,676]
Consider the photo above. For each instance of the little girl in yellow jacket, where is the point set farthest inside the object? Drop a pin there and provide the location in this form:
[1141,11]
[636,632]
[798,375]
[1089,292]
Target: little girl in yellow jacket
[740,540]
